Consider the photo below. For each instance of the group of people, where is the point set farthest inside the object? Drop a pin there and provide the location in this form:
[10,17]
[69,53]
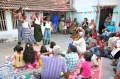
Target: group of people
[87,44]
[24,29]
[67,26]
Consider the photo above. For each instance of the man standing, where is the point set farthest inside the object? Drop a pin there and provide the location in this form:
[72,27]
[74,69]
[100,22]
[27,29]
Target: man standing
[19,14]
[55,23]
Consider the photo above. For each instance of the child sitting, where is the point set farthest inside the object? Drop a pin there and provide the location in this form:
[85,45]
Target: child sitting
[89,38]
[72,58]
[85,71]
[30,56]
[52,44]
[18,62]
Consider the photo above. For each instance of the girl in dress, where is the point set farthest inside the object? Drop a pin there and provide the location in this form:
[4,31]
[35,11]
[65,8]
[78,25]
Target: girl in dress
[47,32]
[18,62]
[30,56]
[85,71]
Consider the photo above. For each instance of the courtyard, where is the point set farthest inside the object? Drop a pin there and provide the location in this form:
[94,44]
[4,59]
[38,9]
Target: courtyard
[61,40]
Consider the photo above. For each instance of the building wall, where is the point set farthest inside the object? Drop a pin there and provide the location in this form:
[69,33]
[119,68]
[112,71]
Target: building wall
[10,34]
[86,5]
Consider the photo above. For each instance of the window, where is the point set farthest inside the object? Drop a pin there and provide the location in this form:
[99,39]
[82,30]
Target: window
[2,21]
[14,22]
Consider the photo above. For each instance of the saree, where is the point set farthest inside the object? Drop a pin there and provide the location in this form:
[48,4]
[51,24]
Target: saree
[38,33]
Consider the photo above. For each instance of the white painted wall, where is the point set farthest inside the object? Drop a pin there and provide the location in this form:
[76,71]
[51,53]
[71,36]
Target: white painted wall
[116,18]
[83,6]
[10,34]
[86,5]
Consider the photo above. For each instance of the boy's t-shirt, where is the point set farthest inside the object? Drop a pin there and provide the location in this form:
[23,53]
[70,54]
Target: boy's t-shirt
[86,65]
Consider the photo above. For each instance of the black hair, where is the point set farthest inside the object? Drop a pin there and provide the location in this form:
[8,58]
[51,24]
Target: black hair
[43,49]
[36,13]
[90,33]
[19,10]
[101,37]
[94,30]
[86,19]
[62,16]
[87,56]
[52,44]
[29,53]
[73,48]
[18,48]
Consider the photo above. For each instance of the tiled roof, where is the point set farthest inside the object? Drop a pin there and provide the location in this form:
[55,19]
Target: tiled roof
[47,5]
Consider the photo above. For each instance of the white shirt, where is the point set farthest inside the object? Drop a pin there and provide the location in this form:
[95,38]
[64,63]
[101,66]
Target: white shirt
[25,24]
[37,21]
[48,24]
[80,44]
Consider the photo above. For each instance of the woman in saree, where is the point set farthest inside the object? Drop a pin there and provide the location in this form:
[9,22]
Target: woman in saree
[37,27]
[74,25]
[108,20]
[85,24]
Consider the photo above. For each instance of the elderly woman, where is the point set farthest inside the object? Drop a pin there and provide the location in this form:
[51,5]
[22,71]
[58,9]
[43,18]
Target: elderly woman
[80,43]
[53,65]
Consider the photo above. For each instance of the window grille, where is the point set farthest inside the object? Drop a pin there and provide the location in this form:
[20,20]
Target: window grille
[2,21]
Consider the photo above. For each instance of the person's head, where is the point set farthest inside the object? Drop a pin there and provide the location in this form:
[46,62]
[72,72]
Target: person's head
[99,37]
[81,34]
[57,50]
[72,48]
[93,43]
[85,19]
[24,17]
[92,20]
[109,14]
[93,30]
[62,16]
[19,10]
[89,34]
[48,18]
[52,44]
[43,49]
[88,56]
[29,53]
[37,15]
[75,19]
[18,48]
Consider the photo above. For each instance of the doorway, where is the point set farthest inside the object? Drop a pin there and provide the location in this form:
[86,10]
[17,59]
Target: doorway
[103,15]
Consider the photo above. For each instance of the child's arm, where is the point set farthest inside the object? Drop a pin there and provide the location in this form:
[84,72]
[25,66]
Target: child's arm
[81,69]
[47,53]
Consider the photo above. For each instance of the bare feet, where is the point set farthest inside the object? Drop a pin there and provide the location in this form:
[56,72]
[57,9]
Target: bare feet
[36,44]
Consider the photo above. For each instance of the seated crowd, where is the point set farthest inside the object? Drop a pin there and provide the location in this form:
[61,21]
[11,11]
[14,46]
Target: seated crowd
[87,43]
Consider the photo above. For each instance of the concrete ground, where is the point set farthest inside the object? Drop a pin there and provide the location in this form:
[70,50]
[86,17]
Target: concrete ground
[61,40]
